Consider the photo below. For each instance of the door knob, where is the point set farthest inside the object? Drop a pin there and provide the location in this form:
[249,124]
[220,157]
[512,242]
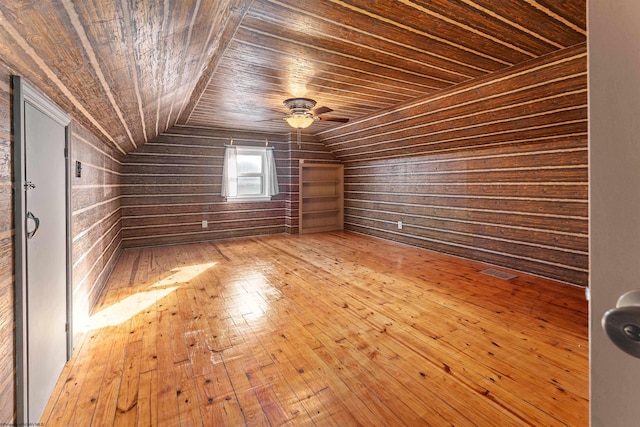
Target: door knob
[622,324]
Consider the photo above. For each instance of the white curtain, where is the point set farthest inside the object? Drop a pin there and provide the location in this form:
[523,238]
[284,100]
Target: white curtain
[230,173]
[272,174]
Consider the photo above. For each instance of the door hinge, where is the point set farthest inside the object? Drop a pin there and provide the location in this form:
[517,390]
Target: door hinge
[66,327]
[66,153]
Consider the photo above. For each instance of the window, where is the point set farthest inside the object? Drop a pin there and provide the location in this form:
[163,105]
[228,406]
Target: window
[249,174]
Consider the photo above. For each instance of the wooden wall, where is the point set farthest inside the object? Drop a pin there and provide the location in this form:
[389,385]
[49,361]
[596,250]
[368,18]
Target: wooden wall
[96,233]
[96,218]
[493,170]
[172,183]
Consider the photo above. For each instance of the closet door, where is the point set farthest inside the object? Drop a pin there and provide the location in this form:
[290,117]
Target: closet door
[43,288]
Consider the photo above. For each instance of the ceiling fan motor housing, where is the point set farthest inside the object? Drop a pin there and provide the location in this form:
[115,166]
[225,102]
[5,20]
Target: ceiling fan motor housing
[299,105]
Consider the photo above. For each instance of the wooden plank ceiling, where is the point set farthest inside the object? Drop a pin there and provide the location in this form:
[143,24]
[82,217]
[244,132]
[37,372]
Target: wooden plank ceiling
[131,70]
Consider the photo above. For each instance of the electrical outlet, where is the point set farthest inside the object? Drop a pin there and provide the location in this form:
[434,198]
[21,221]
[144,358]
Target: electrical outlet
[399,225]
[205,223]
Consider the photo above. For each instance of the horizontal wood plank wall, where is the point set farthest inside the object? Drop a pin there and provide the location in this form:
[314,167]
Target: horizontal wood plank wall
[309,150]
[493,170]
[7,253]
[96,219]
[96,232]
[173,183]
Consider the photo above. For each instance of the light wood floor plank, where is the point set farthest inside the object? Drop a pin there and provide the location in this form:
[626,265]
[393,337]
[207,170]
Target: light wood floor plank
[330,329]
[127,404]
[148,398]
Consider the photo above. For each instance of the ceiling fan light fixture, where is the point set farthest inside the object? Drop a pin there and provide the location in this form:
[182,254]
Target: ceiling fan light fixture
[301,116]
[300,120]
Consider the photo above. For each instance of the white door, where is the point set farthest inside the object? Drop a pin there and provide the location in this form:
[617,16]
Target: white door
[614,152]
[46,256]
[42,258]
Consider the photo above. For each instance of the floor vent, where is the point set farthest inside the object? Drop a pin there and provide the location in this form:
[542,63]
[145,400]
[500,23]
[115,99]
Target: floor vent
[499,274]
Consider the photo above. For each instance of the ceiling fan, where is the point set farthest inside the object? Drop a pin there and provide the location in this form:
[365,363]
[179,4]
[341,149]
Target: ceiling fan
[301,116]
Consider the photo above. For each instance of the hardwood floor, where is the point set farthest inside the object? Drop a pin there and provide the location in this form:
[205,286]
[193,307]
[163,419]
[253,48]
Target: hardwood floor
[332,329]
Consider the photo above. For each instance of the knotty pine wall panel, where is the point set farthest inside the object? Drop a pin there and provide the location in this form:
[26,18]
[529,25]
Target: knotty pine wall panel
[95,233]
[494,170]
[173,183]
[543,97]
[96,218]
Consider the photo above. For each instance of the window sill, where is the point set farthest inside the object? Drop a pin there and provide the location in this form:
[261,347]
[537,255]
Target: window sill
[248,199]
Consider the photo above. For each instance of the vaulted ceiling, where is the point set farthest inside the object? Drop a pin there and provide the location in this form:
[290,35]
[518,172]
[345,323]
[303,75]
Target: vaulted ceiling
[130,70]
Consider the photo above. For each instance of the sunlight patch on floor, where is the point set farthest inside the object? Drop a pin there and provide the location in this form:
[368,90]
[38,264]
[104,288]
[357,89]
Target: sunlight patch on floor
[183,274]
[124,310]
[120,312]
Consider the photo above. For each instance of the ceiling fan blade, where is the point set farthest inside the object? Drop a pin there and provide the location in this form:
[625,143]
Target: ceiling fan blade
[322,110]
[334,119]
